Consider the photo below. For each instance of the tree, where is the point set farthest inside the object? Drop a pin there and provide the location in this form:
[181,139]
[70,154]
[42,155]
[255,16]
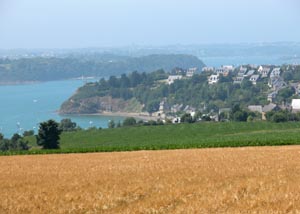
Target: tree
[135,79]
[152,106]
[246,84]
[279,117]
[67,125]
[49,135]
[124,81]
[287,76]
[118,124]
[238,114]
[186,118]
[129,121]
[113,82]
[4,145]
[28,133]
[285,94]
[111,124]
[16,143]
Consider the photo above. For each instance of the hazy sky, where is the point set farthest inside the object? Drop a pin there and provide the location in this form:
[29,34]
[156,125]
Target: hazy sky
[98,23]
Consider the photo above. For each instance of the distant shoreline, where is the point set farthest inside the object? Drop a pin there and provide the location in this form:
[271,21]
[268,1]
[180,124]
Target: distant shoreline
[36,82]
[142,115]
[19,83]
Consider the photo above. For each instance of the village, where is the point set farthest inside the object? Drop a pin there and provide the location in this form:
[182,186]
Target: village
[269,75]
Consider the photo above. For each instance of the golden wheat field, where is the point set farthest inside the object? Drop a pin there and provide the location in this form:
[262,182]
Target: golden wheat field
[240,180]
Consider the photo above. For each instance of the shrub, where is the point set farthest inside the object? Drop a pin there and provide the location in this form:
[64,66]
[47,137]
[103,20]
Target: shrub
[28,133]
[129,121]
[66,125]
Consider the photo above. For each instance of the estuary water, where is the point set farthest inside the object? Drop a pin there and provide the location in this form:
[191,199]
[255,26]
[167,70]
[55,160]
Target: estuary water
[23,107]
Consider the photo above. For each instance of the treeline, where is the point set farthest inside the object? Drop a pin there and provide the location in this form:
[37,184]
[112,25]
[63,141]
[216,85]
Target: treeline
[15,143]
[291,73]
[46,69]
[282,116]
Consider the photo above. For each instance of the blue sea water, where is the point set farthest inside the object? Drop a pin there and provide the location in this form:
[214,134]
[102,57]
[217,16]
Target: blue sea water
[23,107]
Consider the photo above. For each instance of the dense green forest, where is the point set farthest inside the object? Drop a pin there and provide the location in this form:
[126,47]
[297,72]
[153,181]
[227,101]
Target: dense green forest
[47,69]
[150,89]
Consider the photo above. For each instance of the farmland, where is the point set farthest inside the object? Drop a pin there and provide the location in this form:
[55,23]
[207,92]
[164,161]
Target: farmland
[227,180]
[181,136]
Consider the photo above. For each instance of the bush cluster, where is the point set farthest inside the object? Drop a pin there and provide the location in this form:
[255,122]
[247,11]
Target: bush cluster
[16,143]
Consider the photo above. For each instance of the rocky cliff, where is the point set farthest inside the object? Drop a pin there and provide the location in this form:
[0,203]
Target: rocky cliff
[93,105]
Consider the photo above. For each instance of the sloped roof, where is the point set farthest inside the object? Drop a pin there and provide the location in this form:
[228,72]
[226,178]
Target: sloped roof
[250,72]
[254,77]
[255,108]
[269,107]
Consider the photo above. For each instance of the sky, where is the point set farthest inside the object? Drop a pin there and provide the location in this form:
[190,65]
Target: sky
[115,23]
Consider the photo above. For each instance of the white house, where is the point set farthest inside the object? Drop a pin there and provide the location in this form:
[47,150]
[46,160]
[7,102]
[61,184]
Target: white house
[172,78]
[275,72]
[243,70]
[220,71]
[296,105]
[191,71]
[265,72]
[228,68]
[175,108]
[213,79]
[254,79]
[208,69]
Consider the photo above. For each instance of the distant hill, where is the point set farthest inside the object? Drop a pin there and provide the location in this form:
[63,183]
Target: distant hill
[98,65]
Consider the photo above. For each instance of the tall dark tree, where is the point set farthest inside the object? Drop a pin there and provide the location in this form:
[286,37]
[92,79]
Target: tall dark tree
[113,82]
[124,81]
[49,135]
[135,79]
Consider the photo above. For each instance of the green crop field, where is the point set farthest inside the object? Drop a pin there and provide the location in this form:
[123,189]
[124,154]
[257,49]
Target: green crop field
[200,135]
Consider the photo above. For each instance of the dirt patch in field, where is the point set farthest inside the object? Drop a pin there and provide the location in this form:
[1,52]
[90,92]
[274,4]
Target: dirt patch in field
[240,180]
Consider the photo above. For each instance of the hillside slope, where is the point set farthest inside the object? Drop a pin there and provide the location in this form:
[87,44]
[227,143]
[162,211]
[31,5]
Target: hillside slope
[47,69]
